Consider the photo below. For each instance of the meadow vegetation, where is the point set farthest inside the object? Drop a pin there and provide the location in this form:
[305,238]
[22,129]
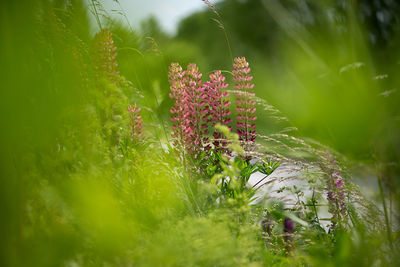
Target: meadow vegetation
[131,147]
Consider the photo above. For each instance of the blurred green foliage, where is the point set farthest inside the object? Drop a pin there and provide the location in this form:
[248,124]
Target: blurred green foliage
[319,62]
[75,191]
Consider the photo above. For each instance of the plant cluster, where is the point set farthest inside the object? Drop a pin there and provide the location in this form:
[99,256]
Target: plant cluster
[199,106]
[97,182]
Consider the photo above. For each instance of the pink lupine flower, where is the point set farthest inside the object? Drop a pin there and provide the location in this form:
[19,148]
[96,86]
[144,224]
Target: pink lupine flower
[215,108]
[103,56]
[186,87]
[245,106]
[175,76]
[136,123]
[191,109]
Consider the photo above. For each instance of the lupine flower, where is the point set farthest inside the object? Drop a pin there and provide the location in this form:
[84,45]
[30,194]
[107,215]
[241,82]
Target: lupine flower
[288,225]
[80,67]
[215,108]
[245,106]
[136,123]
[288,229]
[186,87]
[198,107]
[191,109]
[175,76]
[103,56]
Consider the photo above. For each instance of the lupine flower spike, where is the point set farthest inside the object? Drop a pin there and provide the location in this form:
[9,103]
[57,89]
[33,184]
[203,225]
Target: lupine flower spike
[186,88]
[175,76]
[136,123]
[245,105]
[215,108]
[191,109]
[103,56]
[198,107]
[288,229]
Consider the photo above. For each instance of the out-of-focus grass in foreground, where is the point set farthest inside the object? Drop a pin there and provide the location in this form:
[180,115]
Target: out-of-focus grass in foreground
[75,191]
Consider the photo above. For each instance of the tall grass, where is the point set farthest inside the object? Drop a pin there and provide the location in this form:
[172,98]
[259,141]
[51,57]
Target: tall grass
[90,174]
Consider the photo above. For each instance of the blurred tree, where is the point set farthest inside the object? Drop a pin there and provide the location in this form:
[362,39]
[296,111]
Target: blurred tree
[150,27]
[250,25]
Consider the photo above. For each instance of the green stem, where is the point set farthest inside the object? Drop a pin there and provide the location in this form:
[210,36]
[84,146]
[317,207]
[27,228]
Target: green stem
[96,15]
[388,228]
[313,205]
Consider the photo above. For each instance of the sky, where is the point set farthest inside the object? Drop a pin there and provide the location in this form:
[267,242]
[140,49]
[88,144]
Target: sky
[168,12]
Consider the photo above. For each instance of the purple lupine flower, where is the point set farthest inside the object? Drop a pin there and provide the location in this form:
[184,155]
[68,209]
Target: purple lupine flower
[136,123]
[215,108]
[245,106]
[288,229]
[104,55]
[288,225]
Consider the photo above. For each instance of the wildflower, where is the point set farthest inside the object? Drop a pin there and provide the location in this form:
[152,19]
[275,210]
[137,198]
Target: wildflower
[288,229]
[245,106]
[103,56]
[339,183]
[336,193]
[288,225]
[80,67]
[136,123]
[186,87]
[191,109]
[175,75]
[215,108]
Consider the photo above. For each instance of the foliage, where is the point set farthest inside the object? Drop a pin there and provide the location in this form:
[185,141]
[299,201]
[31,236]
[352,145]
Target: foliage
[90,175]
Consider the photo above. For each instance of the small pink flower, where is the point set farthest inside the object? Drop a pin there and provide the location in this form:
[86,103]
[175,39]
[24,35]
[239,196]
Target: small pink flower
[336,193]
[339,183]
